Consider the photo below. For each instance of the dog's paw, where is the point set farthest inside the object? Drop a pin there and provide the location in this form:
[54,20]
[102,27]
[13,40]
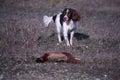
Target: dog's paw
[68,45]
[58,43]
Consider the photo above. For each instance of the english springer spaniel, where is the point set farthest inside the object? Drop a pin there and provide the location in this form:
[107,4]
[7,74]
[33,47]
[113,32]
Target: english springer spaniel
[67,21]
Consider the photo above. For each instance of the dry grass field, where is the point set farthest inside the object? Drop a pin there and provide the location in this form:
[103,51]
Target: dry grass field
[23,38]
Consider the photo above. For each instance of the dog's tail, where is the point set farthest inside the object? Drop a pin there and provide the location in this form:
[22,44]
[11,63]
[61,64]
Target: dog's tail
[47,20]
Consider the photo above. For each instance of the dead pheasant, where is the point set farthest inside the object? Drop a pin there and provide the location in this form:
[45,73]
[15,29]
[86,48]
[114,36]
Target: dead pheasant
[57,57]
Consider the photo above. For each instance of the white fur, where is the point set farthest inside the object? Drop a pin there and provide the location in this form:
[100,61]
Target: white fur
[66,29]
[47,20]
[58,27]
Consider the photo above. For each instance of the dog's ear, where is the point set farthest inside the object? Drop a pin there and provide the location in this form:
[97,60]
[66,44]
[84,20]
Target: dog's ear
[75,15]
[63,12]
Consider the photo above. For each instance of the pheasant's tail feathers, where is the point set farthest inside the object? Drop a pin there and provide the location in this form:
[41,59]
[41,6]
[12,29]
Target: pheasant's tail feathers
[47,20]
[76,61]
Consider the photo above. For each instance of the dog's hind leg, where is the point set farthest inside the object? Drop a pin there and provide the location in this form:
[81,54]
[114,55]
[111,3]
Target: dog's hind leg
[59,34]
[59,37]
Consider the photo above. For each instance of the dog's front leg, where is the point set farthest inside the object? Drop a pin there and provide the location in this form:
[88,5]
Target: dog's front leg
[71,37]
[65,33]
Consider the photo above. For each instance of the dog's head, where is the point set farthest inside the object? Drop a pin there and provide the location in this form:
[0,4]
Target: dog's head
[70,14]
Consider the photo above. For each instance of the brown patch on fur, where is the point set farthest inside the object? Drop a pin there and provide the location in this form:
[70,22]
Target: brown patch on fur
[75,15]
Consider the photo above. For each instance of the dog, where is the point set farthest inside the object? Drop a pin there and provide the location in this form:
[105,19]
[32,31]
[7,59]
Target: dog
[57,57]
[65,20]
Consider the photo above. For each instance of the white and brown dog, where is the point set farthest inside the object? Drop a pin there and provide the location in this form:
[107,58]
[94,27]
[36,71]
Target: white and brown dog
[67,20]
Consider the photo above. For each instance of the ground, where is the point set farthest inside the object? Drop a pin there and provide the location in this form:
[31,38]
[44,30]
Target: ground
[23,38]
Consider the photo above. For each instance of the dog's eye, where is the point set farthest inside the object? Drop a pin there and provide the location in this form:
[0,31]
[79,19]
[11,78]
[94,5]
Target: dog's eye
[69,14]
[64,13]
